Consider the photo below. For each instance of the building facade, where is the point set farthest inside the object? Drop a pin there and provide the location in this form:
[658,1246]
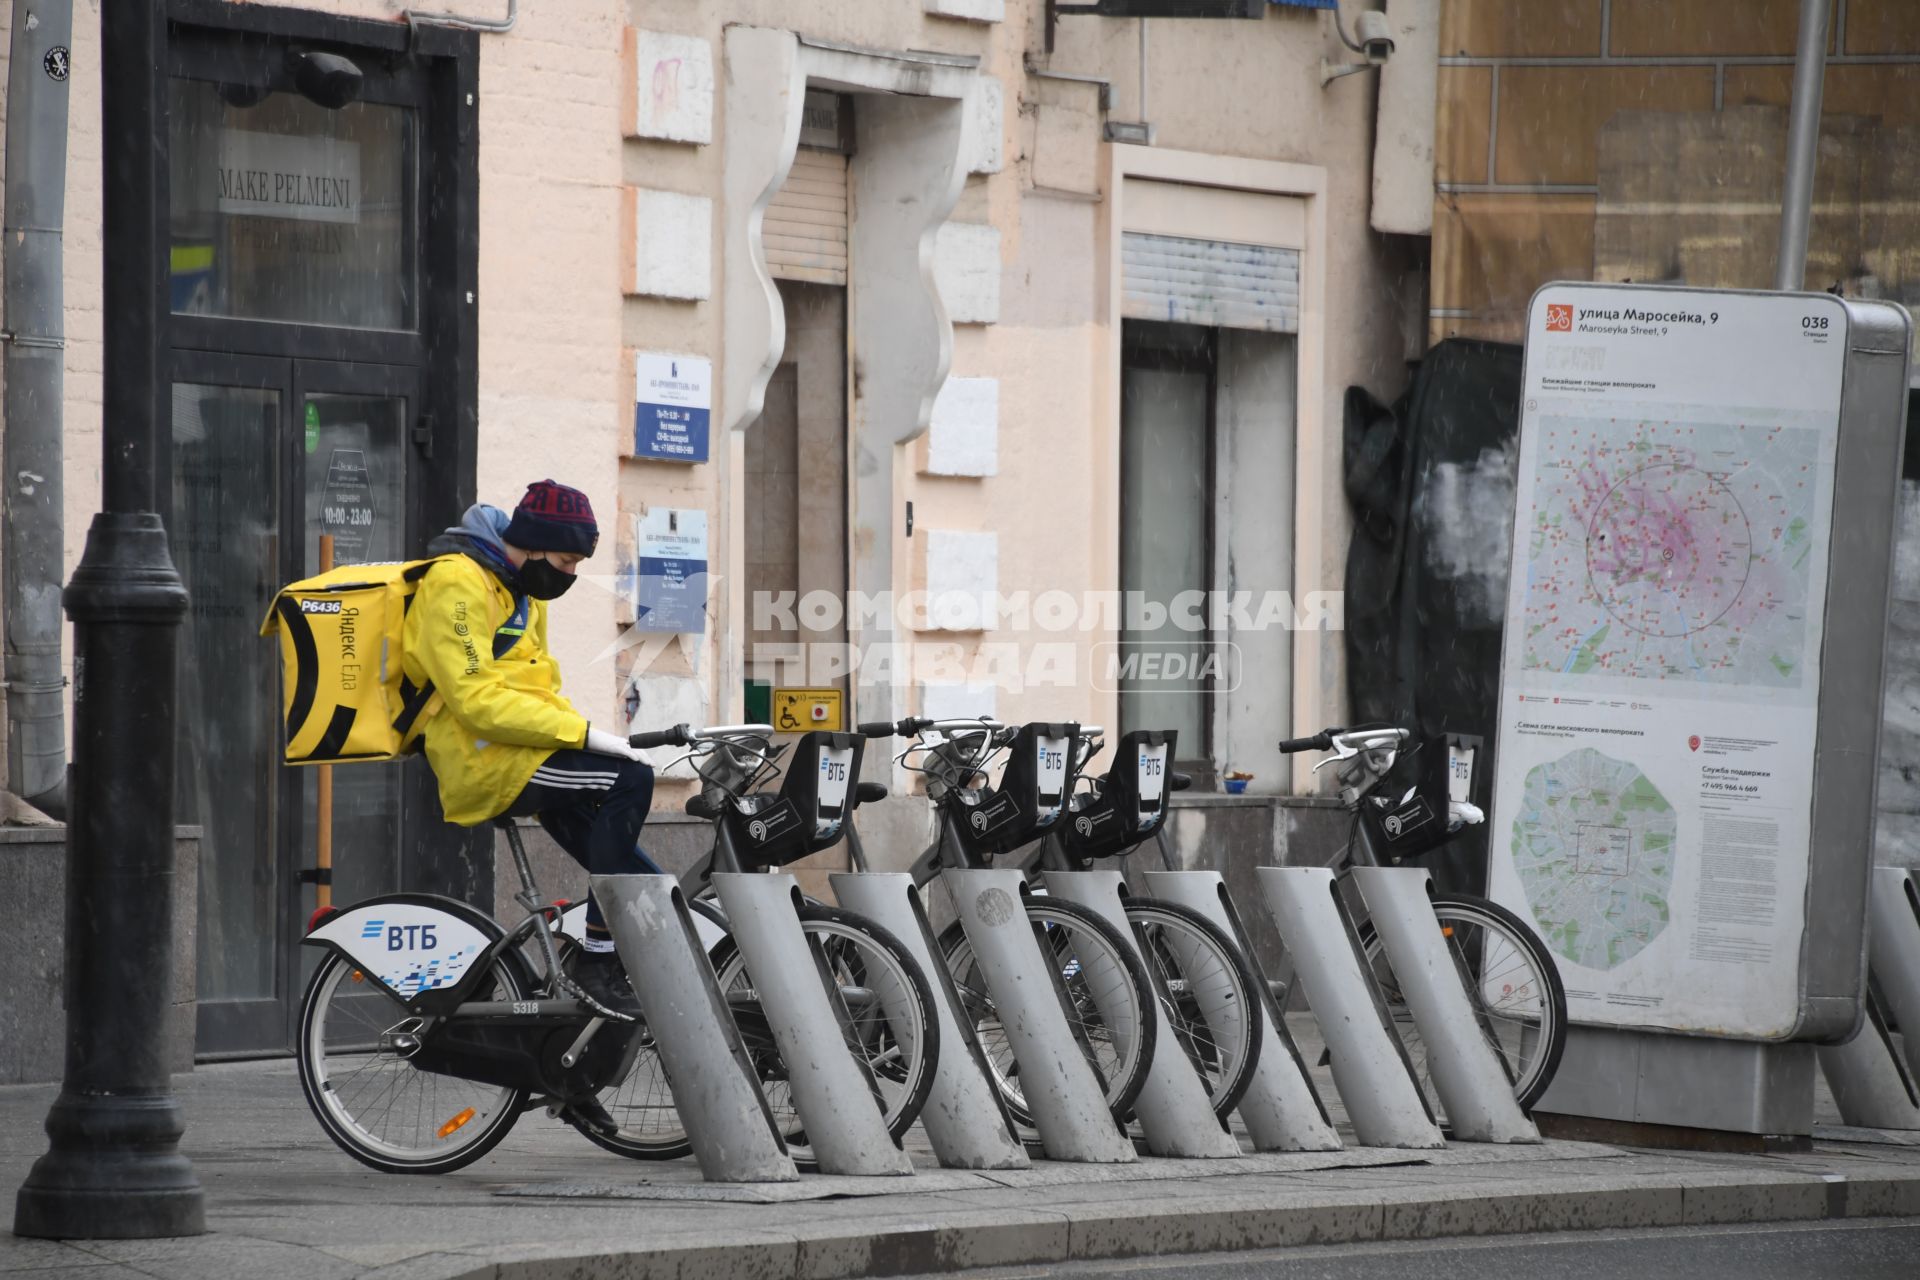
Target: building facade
[896,345]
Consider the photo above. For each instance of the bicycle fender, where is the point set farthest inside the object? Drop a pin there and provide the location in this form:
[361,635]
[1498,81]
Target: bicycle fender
[411,943]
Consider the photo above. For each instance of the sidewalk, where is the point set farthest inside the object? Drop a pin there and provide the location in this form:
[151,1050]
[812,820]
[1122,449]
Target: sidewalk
[282,1201]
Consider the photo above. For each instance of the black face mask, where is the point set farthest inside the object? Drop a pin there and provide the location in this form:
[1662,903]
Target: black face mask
[544,580]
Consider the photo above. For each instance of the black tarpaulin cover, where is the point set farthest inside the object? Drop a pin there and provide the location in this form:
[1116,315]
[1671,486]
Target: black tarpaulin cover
[1431,482]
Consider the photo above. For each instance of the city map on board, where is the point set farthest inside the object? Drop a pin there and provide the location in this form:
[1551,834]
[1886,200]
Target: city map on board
[1593,848]
[1670,550]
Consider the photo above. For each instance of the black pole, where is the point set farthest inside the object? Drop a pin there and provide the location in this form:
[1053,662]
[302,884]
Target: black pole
[114,1168]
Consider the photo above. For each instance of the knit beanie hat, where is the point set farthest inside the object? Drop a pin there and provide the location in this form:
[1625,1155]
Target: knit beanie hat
[553,517]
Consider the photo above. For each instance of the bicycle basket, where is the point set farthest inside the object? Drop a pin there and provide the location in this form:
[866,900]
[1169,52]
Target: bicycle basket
[809,812]
[1131,800]
[1031,796]
[1406,812]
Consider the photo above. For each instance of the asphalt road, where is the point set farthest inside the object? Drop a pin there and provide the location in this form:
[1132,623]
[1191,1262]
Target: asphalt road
[1872,1249]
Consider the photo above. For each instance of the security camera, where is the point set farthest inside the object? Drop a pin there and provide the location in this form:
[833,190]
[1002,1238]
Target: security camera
[325,79]
[1376,37]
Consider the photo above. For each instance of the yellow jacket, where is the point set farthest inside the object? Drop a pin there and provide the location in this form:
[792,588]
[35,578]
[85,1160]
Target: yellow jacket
[493,721]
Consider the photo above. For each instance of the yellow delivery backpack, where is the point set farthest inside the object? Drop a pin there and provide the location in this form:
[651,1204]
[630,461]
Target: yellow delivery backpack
[346,697]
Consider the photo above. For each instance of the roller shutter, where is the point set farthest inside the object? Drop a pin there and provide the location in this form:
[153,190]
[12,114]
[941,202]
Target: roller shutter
[805,230]
[1215,283]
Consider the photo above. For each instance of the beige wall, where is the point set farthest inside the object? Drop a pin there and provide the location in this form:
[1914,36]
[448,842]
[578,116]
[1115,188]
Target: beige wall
[556,328]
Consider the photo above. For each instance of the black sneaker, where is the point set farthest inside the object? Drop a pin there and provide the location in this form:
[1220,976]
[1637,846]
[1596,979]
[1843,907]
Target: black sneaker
[587,1113]
[602,976]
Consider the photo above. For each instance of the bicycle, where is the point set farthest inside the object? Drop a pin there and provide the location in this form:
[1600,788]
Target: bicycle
[1507,970]
[1103,987]
[1196,965]
[1183,958]
[428,1028]
[1190,962]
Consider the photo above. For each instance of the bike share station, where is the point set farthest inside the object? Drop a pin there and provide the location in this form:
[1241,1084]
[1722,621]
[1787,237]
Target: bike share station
[1690,712]
[717,1091]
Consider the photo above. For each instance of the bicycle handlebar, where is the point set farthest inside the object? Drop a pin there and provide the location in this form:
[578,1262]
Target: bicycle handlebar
[914,725]
[1322,741]
[678,736]
[1372,737]
[682,735]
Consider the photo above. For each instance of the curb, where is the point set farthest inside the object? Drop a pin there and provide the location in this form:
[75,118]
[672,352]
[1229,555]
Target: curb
[1231,1222]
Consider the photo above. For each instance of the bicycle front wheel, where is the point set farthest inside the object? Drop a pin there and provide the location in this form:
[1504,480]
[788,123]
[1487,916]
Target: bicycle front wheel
[1514,986]
[1208,992]
[355,1042]
[1104,990]
[887,1018]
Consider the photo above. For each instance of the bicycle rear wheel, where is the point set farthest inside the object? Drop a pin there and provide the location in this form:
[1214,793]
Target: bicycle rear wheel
[1107,997]
[353,1050]
[1514,985]
[1209,995]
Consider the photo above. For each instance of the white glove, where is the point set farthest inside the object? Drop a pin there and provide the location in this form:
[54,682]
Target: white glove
[1461,814]
[600,742]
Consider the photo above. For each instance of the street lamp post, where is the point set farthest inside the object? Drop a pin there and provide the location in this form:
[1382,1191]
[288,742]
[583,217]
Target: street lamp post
[114,1167]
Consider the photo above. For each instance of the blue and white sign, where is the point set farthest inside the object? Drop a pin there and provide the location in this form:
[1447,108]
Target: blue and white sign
[672,403]
[670,554]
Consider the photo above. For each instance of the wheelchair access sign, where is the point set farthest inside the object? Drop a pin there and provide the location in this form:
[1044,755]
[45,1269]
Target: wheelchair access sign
[803,710]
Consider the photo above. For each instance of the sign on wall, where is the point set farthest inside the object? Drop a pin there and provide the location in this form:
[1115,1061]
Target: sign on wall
[273,175]
[346,508]
[795,710]
[673,401]
[1661,671]
[670,559]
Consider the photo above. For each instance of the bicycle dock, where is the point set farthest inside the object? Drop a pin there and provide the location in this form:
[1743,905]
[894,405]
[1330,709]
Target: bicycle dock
[1068,1105]
[716,1091]
[1281,1108]
[832,1090]
[1370,1065]
[1173,1106]
[1874,1086]
[961,1112]
[1472,1082]
[736,1139]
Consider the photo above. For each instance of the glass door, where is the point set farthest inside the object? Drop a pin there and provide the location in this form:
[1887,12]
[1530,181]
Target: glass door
[228,528]
[269,455]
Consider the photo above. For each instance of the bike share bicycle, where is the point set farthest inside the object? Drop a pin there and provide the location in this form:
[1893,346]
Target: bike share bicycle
[1190,966]
[429,1028]
[1400,815]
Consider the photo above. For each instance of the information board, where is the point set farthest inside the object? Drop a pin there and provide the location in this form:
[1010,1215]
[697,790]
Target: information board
[1661,669]
[670,580]
[672,406]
